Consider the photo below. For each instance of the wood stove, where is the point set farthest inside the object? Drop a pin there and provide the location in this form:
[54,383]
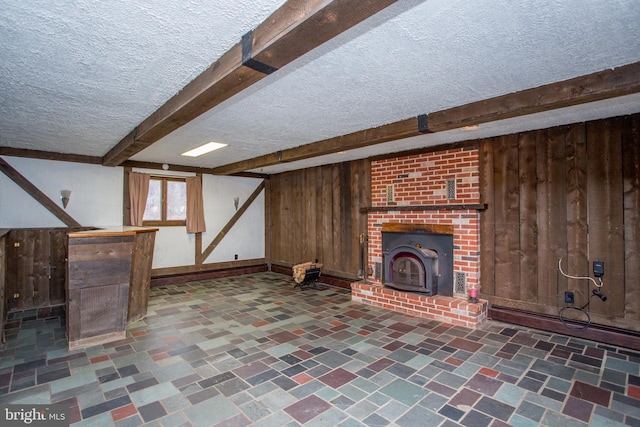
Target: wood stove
[418,262]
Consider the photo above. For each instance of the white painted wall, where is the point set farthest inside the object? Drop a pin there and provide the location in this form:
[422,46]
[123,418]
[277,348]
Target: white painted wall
[96,194]
[96,200]
[246,238]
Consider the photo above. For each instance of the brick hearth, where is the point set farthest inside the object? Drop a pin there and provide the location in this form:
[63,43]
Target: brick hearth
[456,311]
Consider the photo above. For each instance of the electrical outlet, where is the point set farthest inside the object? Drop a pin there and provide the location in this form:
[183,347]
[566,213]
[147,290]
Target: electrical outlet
[16,295]
[568,297]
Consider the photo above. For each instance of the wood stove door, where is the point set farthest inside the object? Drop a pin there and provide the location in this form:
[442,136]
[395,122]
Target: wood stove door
[407,270]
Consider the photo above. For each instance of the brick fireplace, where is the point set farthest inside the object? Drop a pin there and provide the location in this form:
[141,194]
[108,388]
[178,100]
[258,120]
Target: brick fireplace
[434,193]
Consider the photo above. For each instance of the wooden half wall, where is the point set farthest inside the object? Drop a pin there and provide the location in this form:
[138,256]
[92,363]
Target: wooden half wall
[569,193]
[315,214]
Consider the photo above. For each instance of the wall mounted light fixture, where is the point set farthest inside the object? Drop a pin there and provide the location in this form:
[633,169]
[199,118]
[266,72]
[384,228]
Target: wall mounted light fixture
[64,196]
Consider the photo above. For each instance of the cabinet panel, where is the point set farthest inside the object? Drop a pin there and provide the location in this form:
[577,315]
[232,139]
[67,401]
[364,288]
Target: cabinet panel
[58,266]
[36,263]
[140,276]
[20,269]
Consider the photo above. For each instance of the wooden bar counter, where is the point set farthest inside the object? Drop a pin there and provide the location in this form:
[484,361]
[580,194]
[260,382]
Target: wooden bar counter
[108,279]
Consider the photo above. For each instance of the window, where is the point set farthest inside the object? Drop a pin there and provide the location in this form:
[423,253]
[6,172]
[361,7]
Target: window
[166,202]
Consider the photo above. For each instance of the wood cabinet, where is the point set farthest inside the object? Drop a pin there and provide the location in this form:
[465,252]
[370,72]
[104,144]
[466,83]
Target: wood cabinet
[102,275]
[108,278]
[99,269]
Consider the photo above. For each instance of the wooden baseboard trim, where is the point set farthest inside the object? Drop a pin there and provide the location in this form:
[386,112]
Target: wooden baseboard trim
[599,333]
[188,269]
[206,274]
[214,273]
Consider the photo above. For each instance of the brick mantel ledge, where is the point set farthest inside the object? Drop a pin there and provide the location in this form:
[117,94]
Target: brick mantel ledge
[456,311]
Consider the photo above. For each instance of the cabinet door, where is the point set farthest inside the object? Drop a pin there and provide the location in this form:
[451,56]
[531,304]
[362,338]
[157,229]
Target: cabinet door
[29,269]
[20,268]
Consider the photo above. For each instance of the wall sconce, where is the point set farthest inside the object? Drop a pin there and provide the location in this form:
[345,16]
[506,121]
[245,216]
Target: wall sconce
[64,196]
[236,200]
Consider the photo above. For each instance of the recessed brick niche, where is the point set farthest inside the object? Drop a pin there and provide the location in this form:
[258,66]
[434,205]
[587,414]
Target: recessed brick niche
[427,192]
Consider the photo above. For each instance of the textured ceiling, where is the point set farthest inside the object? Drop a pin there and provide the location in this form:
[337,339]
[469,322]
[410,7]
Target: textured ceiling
[77,76]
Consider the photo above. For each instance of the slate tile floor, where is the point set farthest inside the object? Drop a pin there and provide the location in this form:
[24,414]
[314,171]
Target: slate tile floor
[251,350]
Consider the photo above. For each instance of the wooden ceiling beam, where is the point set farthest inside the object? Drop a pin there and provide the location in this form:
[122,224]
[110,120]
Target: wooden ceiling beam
[377,135]
[124,149]
[49,155]
[610,83]
[294,29]
[182,168]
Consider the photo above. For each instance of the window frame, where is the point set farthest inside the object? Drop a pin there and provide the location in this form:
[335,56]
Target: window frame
[163,200]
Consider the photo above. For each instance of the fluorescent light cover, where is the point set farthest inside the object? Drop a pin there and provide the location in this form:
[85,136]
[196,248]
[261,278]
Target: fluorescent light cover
[203,149]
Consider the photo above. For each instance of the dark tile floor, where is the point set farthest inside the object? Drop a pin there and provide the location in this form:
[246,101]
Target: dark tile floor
[251,350]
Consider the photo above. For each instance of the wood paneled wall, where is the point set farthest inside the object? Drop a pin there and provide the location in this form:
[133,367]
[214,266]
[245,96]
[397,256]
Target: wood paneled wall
[570,193]
[315,214]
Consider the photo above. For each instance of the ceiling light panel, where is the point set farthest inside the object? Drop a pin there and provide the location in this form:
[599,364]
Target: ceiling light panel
[204,149]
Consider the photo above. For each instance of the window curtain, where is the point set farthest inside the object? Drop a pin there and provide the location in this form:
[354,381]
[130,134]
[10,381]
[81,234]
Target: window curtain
[138,191]
[195,205]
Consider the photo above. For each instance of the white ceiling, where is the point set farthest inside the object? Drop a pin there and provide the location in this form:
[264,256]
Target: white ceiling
[79,75]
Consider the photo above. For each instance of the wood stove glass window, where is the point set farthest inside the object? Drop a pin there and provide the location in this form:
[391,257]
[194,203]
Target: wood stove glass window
[407,269]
